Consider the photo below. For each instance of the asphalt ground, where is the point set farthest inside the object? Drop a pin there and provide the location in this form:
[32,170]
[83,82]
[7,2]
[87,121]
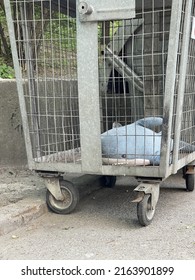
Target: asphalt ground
[104,225]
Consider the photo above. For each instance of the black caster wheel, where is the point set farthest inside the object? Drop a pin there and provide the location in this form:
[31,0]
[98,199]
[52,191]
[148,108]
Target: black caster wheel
[108,181]
[69,202]
[145,213]
[189,182]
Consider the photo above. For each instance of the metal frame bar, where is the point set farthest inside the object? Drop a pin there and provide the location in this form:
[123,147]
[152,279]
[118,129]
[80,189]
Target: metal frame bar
[170,85]
[89,104]
[182,81]
[105,10]
[136,171]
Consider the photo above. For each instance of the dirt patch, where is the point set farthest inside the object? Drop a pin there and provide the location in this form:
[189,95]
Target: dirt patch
[16,185]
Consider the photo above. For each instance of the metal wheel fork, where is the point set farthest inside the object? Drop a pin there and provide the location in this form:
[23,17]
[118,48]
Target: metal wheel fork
[53,185]
[147,198]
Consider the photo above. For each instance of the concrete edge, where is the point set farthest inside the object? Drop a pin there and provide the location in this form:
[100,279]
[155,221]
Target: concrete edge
[13,216]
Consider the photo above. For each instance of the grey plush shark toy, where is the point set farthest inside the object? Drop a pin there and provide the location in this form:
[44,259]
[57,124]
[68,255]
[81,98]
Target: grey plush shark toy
[137,141]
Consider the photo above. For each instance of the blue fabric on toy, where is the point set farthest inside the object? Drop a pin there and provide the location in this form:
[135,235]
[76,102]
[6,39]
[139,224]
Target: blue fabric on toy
[137,141]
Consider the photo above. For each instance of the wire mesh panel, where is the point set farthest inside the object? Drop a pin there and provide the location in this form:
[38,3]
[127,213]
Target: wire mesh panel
[46,42]
[183,106]
[133,82]
[132,67]
[188,112]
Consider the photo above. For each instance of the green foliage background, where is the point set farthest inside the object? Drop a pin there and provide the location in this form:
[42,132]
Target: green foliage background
[58,32]
[6,65]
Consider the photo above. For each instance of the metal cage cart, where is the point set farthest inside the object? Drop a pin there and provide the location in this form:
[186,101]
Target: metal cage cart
[106,88]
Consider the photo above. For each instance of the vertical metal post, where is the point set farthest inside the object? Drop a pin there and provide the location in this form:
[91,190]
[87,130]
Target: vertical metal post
[18,75]
[88,89]
[170,85]
[182,80]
